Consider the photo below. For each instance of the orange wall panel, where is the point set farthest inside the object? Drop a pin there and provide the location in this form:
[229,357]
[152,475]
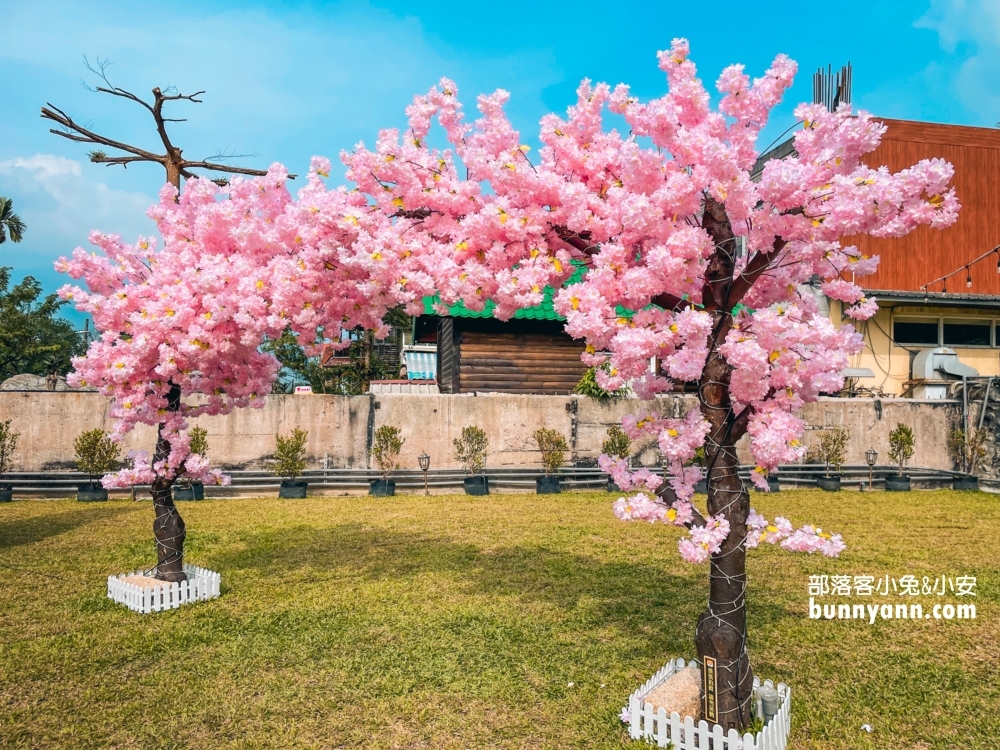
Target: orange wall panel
[909,262]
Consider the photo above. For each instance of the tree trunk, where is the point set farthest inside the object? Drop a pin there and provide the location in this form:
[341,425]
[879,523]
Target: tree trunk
[722,627]
[173,172]
[721,630]
[168,526]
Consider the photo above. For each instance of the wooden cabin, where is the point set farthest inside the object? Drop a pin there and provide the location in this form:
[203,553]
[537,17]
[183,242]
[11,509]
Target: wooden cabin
[530,353]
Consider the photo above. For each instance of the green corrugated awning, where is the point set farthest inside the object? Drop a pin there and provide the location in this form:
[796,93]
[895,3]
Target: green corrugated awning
[542,311]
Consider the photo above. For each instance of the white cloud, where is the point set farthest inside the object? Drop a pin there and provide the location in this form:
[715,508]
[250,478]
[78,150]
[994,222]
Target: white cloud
[970,30]
[45,167]
[59,206]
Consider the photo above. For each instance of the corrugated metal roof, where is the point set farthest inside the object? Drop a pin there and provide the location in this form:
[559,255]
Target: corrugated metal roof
[541,311]
[934,299]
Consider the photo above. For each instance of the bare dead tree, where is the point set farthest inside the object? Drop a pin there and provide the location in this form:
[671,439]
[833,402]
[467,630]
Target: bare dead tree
[172,159]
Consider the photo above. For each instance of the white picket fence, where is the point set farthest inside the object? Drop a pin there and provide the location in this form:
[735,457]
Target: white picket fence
[201,584]
[682,734]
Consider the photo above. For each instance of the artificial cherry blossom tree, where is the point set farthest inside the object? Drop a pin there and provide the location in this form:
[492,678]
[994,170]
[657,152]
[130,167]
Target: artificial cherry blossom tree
[673,227]
[181,326]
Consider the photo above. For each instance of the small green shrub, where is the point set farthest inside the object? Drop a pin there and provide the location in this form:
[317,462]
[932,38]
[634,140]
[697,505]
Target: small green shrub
[831,450]
[967,453]
[8,444]
[289,455]
[617,443]
[588,386]
[96,454]
[901,445]
[199,441]
[553,447]
[386,446]
[471,448]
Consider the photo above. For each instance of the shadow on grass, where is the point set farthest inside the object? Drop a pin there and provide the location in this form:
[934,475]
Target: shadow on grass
[620,592]
[30,530]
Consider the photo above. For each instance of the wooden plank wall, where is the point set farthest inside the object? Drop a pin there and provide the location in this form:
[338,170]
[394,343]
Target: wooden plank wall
[519,362]
[909,262]
[447,363]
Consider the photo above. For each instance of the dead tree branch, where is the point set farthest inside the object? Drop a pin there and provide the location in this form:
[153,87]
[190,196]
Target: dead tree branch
[171,159]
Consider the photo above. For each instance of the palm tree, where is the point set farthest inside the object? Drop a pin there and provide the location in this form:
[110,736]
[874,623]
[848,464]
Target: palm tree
[10,222]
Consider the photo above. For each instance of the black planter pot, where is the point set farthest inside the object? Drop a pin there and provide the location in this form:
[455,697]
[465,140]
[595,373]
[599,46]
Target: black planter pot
[477,485]
[897,484]
[292,490]
[548,485]
[965,483]
[830,484]
[382,488]
[6,492]
[199,490]
[182,492]
[772,484]
[91,493]
[612,487]
[701,486]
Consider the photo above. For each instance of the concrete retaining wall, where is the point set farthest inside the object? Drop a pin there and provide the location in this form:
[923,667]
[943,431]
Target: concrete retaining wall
[340,427]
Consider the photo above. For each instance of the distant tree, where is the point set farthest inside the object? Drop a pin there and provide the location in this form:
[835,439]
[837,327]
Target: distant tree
[297,367]
[10,223]
[33,338]
[348,379]
[171,159]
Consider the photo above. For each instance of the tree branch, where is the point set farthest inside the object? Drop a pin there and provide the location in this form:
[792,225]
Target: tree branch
[222,156]
[666,493]
[577,240]
[101,72]
[51,112]
[116,160]
[189,97]
[755,268]
[417,213]
[581,241]
[224,168]
[742,421]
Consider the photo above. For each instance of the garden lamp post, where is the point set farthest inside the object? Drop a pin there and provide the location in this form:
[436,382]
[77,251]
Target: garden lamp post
[870,457]
[425,463]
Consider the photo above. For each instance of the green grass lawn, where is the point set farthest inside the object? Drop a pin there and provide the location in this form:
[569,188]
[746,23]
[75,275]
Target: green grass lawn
[460,622]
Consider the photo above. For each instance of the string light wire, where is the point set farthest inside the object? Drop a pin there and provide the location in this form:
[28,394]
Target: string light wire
[967,268]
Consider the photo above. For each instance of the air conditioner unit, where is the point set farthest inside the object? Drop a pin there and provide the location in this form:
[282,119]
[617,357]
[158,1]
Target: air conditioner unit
[933,369]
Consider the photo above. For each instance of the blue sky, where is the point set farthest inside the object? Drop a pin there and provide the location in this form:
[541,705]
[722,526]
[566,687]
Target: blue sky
[288,80]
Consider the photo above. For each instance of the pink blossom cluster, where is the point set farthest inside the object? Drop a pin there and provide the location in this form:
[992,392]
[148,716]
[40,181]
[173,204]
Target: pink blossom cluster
[705,539]
[629,206]
[640,507]
[806,539]
[701,541]
[238,265]
[631,212]
[627,478]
